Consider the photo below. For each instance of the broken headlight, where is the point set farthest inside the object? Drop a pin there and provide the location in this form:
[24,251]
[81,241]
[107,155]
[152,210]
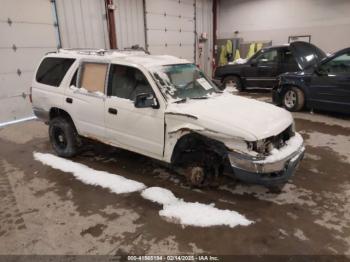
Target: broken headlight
[262,147]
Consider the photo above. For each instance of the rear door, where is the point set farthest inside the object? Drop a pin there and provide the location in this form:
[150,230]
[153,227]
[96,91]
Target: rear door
[137,129]
[330,86]
[263,69]
[85,98]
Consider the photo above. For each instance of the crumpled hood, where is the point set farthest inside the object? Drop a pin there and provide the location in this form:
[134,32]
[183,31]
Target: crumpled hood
[234,116]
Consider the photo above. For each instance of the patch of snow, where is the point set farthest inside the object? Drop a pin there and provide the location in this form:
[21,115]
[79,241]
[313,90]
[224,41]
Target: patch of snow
[337,143]
[115,183]
[238,61]
[159,195]
[300,235]
[192,214]
[292,145]
[98,93]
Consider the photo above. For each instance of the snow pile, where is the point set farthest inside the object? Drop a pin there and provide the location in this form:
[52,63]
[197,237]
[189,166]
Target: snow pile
[174,209]
[239,61]
[115,183]
[292,145]
[192,214]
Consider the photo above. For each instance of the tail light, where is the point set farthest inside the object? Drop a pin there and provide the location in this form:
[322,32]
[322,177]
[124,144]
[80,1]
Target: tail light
[30,95]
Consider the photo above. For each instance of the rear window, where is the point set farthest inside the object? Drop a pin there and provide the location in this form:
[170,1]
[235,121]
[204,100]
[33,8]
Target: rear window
[52,70]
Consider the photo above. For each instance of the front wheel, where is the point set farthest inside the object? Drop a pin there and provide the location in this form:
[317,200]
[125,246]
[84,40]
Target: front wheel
[63,137]
[293,99]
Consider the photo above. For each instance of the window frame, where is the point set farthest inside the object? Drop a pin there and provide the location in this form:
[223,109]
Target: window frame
[80,71]
[265,52]
[146,74]
[63,77]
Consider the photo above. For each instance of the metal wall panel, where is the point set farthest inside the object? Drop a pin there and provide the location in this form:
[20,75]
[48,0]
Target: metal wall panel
[204,24]
[27,32]
[129,19]
[170,27]
[82,23]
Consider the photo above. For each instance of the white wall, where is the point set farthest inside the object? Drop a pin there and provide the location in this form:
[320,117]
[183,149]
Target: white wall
[29,34]
[328,22]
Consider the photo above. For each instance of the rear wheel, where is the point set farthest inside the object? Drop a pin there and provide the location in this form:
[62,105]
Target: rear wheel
[293,99]
[63,137]
[232,83]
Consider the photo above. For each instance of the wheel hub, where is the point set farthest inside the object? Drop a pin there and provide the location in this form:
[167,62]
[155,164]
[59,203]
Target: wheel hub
[290,98]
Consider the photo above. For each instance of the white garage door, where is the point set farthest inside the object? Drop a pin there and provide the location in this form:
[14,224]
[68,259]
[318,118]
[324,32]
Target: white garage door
[82,23]
[170,27]
[27,32]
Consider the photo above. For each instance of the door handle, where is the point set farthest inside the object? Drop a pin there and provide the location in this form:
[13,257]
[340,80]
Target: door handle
[69,100]
[112,111]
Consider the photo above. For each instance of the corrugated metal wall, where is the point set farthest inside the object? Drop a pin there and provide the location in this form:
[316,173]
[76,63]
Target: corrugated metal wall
[27,32]
[82,23]
[204,24]
[129,19]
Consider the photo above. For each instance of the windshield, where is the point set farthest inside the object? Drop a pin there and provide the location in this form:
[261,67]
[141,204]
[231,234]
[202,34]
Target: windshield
[183,81]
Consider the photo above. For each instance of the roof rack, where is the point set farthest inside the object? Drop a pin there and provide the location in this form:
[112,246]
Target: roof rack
[101,52]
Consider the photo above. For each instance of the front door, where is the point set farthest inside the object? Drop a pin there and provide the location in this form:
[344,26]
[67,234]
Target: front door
[330,84]
[136,129]
[262,71]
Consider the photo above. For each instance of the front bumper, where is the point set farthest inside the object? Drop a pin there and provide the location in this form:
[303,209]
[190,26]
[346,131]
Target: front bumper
[268,174]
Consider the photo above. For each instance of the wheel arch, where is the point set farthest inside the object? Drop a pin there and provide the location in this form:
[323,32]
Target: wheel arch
[195,142]
[58,112]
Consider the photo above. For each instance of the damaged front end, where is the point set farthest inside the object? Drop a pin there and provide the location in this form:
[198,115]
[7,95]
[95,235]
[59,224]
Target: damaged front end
[271,161]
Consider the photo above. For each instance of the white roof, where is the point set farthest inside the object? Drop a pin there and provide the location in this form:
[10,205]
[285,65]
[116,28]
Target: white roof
[135,57]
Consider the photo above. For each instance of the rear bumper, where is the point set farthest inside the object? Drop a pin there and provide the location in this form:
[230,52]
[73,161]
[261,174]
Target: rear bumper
[269,173]
[41,114]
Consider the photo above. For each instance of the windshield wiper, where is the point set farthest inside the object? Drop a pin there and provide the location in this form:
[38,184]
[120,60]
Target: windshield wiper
[183,100]
[200,97]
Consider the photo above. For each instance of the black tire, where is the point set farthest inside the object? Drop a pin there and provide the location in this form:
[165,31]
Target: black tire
[63,137]
[293,99]
[235,80]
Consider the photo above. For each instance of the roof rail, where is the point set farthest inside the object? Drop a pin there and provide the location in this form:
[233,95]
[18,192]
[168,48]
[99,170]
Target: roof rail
[92,51]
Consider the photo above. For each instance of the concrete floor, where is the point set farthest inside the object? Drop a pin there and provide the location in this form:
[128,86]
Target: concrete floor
[46,211]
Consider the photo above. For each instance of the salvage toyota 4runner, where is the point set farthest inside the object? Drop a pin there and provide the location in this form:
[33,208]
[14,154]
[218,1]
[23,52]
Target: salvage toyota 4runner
[165,108]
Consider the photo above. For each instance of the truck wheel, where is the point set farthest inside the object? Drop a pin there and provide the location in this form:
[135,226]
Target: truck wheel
[293,99]
[63,137]
[231,83]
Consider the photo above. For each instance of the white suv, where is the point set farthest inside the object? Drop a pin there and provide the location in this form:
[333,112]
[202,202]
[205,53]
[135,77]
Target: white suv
[165,108]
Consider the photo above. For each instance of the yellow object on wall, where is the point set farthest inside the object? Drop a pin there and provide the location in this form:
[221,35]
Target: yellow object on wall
[251,50]
[237,55]
[259,46]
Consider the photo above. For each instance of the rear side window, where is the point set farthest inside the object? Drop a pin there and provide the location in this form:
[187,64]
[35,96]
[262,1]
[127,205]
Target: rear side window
[93,76]
[52,70]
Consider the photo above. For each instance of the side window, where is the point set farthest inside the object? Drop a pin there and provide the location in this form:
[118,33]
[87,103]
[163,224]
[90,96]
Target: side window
[269,56]
[288,58]
[338,65]
[93,77]
[52,70]
[127,82]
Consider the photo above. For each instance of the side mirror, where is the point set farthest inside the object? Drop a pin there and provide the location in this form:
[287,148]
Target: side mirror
[146,100]
[253,62]
[320,72]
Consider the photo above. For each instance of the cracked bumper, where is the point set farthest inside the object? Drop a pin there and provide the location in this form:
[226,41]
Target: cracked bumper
[268,174]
